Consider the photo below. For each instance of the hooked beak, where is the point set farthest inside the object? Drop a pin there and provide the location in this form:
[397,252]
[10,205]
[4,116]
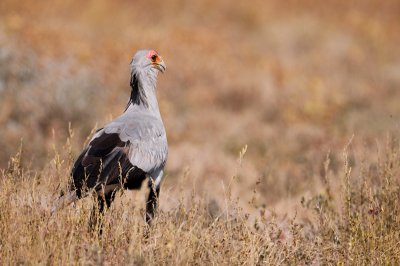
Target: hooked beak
[160,65]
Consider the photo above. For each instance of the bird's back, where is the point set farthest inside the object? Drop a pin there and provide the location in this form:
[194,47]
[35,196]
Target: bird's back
[122,152]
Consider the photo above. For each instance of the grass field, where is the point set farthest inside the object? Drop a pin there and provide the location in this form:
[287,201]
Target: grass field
[282,120]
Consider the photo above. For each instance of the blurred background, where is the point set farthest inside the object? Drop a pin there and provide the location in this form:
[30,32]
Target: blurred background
[292,80]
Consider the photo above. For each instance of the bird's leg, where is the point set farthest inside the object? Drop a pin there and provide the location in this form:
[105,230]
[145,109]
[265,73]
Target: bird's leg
[97,214]
[152,201]
[95,220]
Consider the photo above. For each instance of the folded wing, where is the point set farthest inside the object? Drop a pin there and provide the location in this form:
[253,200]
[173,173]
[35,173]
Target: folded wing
[105,162]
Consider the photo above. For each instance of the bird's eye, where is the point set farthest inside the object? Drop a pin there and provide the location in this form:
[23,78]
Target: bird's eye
[153,57]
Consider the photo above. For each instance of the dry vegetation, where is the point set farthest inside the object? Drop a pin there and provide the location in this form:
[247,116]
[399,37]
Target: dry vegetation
[311,88]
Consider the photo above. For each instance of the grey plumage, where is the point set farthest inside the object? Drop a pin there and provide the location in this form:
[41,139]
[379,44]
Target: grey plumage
[146,136]
[130,148]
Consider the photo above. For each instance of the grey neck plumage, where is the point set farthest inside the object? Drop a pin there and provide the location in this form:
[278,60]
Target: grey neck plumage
[143,92]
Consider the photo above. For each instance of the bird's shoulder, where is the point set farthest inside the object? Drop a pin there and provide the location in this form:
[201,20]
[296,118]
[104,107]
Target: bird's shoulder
[141,138]
[135,127]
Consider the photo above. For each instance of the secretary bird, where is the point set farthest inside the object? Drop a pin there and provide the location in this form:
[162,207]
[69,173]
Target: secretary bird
[129,149]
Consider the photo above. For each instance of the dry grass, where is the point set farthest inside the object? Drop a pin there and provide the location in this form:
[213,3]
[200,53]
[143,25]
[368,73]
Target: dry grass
[357,224]
[292,80]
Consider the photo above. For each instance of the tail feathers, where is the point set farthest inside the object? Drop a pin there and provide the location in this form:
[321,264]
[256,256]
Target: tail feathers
[67,199]
[64,200]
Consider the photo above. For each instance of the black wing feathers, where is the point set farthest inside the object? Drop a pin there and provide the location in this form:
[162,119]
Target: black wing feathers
[104,144]
[105,161]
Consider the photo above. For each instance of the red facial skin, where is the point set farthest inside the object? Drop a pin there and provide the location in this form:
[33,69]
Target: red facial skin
[152,55]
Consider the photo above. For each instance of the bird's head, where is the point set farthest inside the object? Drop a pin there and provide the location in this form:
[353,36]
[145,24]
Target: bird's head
[148,61]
